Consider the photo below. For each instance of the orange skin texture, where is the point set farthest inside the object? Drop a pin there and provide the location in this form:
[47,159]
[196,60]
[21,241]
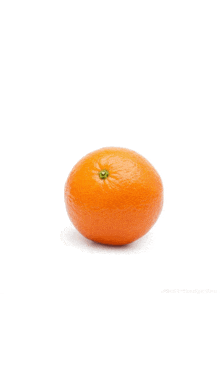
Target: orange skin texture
[119,209]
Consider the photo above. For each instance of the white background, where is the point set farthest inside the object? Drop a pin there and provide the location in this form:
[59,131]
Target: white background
[76,76]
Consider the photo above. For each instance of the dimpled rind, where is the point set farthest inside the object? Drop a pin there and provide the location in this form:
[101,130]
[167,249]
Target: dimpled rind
[119,209]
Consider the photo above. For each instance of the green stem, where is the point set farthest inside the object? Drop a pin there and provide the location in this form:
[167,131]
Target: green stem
[103,174]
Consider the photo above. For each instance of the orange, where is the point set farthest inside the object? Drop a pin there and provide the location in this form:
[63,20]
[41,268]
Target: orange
[113,196]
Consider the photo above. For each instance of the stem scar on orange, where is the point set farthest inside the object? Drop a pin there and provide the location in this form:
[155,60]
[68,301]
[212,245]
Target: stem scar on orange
[113,196]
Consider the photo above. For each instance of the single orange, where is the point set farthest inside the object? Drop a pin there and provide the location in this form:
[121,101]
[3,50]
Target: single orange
[113,196]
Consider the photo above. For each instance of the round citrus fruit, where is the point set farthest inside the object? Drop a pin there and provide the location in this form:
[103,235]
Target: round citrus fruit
[113,196]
